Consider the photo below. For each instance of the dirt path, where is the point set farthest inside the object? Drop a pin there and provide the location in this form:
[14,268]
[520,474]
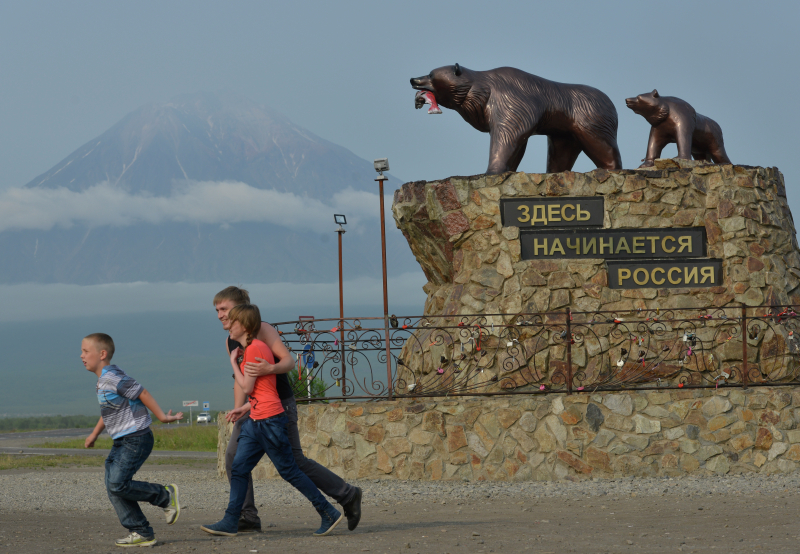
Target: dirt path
[722,523]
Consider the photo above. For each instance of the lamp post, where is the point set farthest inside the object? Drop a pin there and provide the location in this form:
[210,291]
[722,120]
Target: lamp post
[381,165]
[341,220]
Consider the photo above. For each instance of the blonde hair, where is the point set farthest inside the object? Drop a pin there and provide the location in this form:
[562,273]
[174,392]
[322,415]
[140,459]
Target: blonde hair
[235,294]
[103,342]
[250,317]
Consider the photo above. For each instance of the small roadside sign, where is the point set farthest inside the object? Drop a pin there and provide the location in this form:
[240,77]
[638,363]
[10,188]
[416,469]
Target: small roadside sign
[308,356]
[206,406]
[190,404]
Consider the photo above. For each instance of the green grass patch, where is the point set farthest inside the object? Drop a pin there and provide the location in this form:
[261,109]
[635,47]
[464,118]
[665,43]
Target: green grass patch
[45,423]
[67,462]
[42,462]
[197,438]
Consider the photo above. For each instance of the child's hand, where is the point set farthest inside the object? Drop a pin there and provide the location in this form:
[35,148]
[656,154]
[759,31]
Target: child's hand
[235,353]
[236,414]
[168,417]
[89,441]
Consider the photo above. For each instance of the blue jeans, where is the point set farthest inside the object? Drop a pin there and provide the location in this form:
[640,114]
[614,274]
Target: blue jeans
[126,457]
[325,480]
[267,436]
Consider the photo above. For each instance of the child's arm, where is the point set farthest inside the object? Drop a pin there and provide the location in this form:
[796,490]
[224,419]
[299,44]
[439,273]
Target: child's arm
[246,382]
[272,339]
[94,434]
[151,404]
[239,398]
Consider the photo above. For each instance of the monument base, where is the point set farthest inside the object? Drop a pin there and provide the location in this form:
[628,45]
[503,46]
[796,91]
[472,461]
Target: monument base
[656,433]
[683,241]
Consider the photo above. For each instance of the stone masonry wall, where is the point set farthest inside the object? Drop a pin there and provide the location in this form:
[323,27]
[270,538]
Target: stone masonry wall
[550,437]
[473,263]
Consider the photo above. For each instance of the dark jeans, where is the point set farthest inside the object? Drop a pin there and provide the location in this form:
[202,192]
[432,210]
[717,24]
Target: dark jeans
[325,480]
[126,457]
[267,436]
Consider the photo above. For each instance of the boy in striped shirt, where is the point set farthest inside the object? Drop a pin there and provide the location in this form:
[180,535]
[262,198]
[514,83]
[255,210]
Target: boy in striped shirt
[124,414]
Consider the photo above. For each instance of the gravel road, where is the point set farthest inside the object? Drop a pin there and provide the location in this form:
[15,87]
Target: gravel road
[84,490]
[62,510]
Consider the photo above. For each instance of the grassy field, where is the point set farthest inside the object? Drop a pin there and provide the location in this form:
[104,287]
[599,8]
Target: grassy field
[43,462]
[197,438]
[45,423]
[67,462]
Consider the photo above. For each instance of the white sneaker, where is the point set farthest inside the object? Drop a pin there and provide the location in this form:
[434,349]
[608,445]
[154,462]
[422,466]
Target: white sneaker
[135,539]
[173,510]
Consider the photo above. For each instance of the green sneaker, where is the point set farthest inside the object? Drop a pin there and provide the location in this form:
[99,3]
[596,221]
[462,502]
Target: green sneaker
[173,510]
[135,539]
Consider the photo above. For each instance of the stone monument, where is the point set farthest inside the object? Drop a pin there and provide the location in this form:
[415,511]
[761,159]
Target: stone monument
[683,235]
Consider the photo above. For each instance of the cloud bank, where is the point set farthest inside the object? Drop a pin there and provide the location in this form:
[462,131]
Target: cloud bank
[210,202]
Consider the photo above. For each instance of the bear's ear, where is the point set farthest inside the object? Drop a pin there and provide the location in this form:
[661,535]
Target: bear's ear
[655,93]
[458,70]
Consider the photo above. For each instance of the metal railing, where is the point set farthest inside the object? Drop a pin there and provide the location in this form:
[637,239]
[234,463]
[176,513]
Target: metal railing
[540,353]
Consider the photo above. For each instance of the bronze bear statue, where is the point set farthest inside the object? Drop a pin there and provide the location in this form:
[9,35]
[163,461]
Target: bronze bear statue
[674,120]
[512,106]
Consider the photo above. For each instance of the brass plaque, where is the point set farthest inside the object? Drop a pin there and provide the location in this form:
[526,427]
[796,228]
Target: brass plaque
[687,242]
[664,274]
[563,211]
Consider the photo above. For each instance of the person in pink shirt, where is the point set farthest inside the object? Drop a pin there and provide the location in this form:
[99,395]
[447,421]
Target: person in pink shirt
[264,432]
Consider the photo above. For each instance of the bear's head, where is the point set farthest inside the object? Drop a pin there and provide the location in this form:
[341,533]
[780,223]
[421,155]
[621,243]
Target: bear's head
[650,106]
[449,84]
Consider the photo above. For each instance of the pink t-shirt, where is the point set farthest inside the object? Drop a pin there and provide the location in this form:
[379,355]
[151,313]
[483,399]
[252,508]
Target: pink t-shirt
[264,400]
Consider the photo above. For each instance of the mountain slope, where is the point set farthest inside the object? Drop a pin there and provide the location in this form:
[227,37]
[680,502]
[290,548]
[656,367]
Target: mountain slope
[155,154]
[205,137]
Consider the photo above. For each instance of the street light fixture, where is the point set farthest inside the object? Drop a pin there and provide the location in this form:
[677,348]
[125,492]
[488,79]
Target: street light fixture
[340,220]
[381,165]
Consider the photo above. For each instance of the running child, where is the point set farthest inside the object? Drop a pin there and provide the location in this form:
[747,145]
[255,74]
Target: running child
[264,432]
[123,412]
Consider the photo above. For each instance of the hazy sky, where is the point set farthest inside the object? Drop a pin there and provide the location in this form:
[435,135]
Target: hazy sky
[282,301]
[72,69]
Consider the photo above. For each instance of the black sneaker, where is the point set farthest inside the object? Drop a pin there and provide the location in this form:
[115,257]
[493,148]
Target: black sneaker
[249,525]
[352,510]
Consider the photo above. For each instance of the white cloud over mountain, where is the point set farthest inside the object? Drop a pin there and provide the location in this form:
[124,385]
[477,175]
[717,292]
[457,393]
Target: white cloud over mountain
[208,202]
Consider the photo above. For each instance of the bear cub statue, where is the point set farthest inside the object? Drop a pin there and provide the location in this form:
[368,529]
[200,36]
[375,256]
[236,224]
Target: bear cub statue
[673,120]
[512,105]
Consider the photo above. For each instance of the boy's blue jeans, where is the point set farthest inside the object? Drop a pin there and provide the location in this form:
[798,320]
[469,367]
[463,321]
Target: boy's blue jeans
[257,438]
[126,457]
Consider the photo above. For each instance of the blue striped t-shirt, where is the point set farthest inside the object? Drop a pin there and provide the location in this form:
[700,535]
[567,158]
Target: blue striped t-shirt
[122,411]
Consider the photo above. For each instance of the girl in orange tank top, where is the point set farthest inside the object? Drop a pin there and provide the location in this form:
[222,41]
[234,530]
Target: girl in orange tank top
[265,431]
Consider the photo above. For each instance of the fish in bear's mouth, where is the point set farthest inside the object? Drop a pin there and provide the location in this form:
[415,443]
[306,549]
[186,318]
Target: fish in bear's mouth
[426,97]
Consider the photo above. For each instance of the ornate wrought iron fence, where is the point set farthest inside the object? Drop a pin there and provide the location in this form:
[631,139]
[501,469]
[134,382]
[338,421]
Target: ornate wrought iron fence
[538,353]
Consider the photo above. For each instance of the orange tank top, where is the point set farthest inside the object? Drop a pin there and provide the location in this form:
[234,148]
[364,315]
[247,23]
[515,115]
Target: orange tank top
[264,400]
